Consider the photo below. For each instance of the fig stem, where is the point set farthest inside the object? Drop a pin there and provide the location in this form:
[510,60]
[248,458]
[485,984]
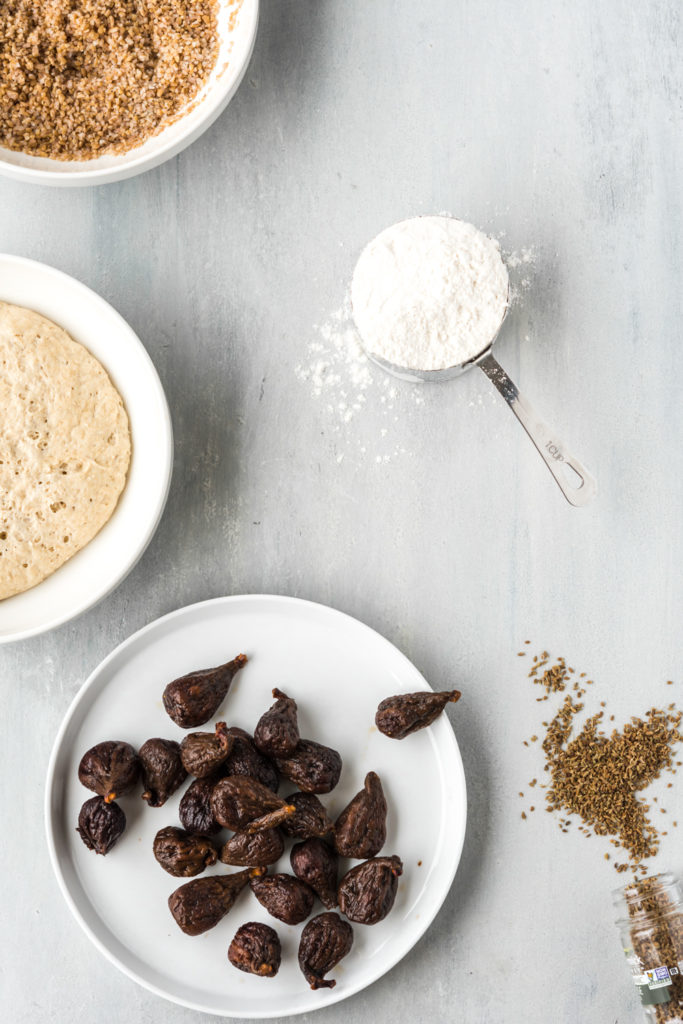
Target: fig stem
[270,820]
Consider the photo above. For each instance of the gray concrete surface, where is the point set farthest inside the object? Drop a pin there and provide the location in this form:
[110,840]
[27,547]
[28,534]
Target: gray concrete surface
[555,126]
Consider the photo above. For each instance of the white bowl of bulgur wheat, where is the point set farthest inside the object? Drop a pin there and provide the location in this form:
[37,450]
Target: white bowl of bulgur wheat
[104,89]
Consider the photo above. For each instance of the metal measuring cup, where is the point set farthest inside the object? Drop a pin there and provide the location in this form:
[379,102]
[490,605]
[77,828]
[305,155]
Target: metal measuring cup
[570,475]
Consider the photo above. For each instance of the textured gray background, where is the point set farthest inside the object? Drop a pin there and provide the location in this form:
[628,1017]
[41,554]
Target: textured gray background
[553,125]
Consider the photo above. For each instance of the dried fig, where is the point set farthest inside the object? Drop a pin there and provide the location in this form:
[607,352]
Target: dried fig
[182,854]
[285,897]
[316,864]
[260,849]
[277,731]
[361,828]
[110,769]
[195,808]
[100,824]
[367,892]
[203,752]
[245,759]
[256,950]
[312,767]
[162,770]
[244,805]
[309,819]
[325,940]
[200,904]
[399,716]
[193,699]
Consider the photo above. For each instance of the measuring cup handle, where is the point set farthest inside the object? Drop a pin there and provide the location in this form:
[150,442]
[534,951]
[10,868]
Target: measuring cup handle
[573,479]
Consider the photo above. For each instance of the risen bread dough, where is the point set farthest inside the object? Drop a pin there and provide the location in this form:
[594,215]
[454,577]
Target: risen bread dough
[64,448]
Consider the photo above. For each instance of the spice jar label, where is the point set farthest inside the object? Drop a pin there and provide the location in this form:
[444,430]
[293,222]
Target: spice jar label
[654,926]
[658,977]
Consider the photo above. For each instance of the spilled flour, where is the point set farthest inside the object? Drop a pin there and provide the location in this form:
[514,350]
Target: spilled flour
[341,376]
[520,268]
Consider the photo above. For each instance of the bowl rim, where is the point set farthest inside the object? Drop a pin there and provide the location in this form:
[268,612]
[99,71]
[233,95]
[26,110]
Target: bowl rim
[157,508]
[129,167]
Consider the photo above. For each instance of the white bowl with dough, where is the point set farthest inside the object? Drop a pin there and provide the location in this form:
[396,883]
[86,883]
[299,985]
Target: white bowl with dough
[100,566]
[237,25]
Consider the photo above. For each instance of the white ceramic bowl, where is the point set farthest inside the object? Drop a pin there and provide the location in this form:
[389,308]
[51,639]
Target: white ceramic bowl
[98,567]
[237,24]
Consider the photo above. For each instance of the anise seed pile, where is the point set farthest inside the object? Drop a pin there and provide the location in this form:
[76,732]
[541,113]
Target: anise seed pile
[598,776]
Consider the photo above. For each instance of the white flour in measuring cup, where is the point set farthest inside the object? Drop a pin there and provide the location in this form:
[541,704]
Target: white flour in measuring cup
[429,293]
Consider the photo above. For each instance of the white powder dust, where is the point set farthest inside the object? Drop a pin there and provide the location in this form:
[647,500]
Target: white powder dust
[429,293]
[521,265]
[341,377]
[520,259]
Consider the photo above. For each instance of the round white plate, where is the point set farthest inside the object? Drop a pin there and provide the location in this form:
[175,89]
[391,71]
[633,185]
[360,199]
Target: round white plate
[98,567]
[237,24]
[338,670]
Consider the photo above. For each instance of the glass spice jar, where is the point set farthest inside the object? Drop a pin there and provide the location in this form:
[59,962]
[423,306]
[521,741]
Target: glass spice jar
[651,926]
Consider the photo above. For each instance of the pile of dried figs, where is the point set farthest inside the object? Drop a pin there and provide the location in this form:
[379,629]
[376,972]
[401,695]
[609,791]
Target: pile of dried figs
[235,783]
